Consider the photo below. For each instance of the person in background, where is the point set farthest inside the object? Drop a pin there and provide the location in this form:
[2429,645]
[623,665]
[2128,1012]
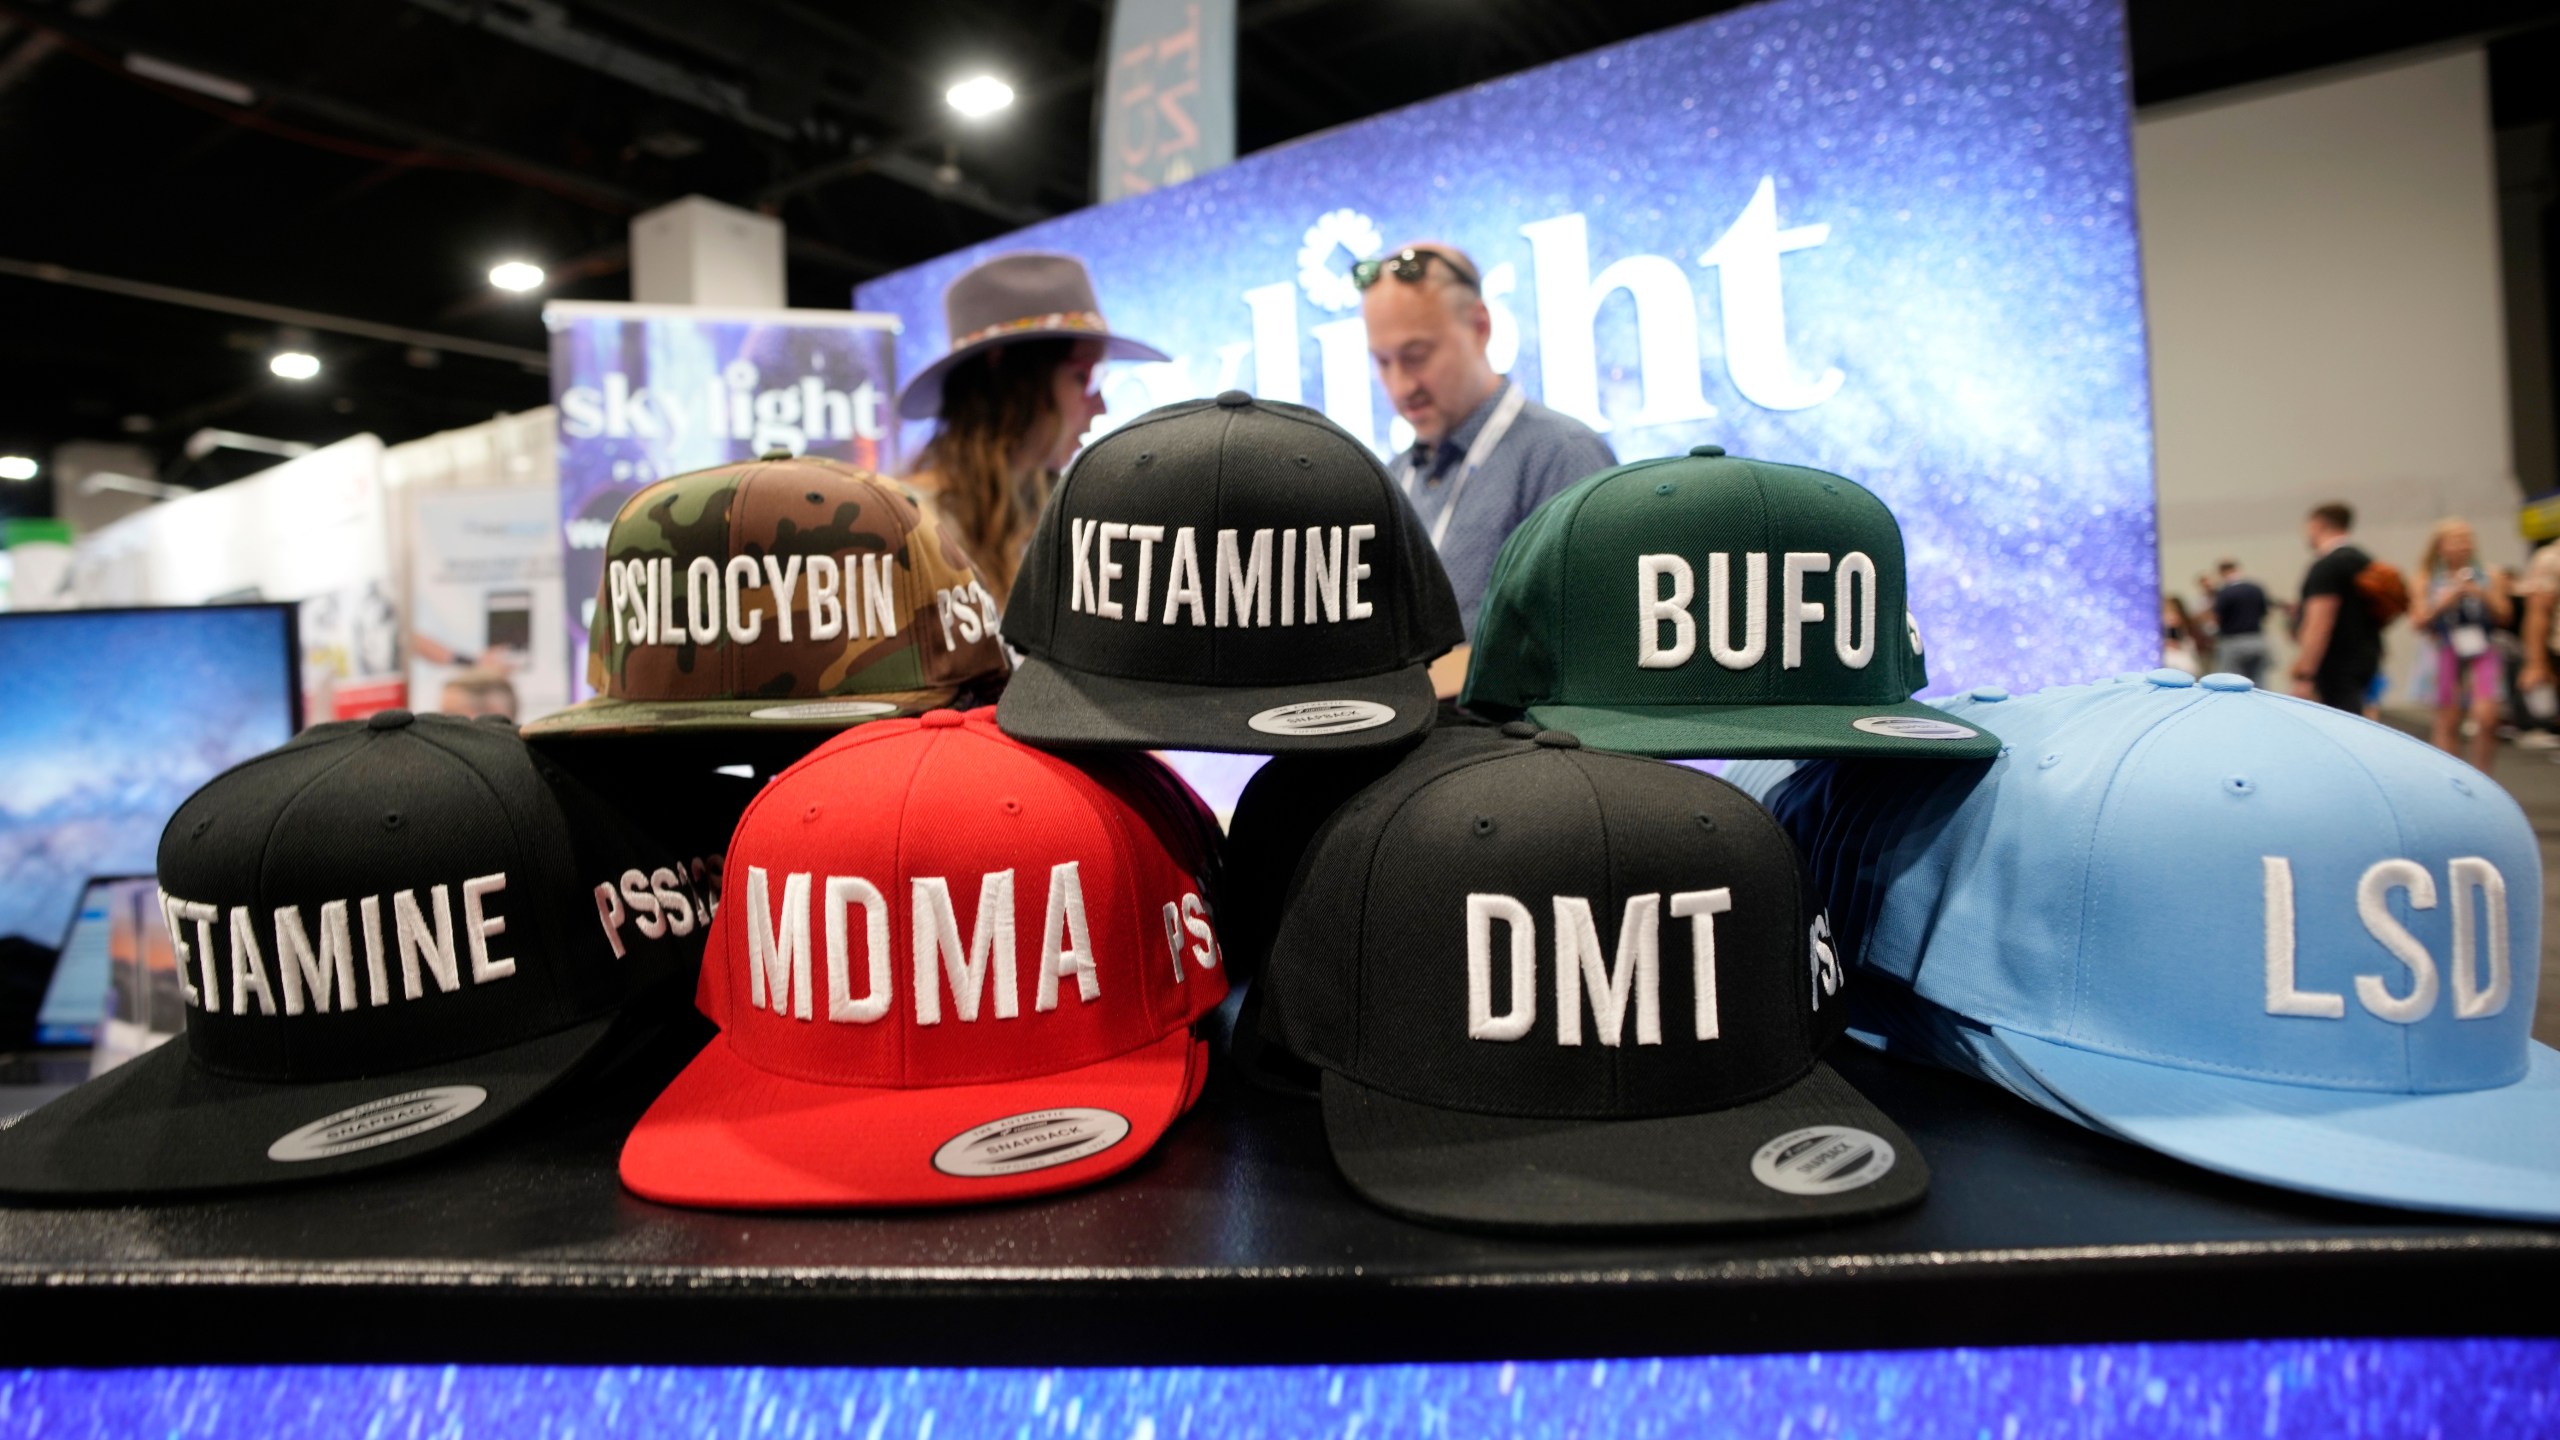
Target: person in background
[1011,399]
[2538,592]
[2178,648]
[2238,606]
[478,691]
[1484,454]
[2339,644]
[2457,608]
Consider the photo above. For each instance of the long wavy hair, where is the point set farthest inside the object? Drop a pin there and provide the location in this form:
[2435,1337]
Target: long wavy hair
[995,405]
[2431,560]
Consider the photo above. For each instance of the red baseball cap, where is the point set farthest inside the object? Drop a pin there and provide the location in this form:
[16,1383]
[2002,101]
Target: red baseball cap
[947,968]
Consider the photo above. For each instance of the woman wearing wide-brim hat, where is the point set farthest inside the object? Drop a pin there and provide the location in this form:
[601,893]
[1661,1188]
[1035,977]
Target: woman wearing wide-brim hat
[1012,399]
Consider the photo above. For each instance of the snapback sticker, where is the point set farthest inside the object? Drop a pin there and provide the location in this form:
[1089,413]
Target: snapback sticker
[1019,1144]
[1322,717]
[1913,727]
[824,710]
[1822,1160]
[378,1122]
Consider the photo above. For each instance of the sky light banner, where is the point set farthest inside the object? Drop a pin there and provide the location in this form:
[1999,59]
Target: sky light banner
[647,391]
[1894,241]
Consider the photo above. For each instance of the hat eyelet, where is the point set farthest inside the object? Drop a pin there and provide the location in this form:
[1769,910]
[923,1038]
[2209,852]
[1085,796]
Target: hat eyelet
[817,499]
[1146,457]
[809,816]
[202,826]
[2049,761]
[1663,489]
[1010,805]
[2460,785]
[1706,821]
[391,820]
[1484,825]
[1305,464]
[2241,785]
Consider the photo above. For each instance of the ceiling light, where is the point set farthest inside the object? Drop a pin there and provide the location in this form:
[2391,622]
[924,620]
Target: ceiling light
[295,365]
[516,275]
[17,467]
[979,96]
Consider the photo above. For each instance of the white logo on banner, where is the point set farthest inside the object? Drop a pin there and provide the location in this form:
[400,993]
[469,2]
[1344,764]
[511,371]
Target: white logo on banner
[1326,287]
[1567,296]
[735,407]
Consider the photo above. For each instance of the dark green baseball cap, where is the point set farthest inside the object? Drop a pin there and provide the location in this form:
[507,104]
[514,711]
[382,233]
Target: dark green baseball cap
[1708,605]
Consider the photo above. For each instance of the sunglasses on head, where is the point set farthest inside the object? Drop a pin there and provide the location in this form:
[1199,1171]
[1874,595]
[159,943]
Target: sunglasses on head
[1409,266]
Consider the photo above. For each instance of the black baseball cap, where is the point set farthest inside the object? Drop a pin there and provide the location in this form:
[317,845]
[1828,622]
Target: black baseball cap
[1664,1075]
[391,934]
[1231,574]
[1276,818]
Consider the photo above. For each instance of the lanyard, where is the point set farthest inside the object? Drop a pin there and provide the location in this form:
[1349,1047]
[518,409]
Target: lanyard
[1496,426]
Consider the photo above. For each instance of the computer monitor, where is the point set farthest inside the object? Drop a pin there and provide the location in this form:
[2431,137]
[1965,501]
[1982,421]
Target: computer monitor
[113,718]
[115,982]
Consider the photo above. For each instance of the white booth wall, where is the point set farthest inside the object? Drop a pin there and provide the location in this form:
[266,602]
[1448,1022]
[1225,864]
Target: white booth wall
[2320,261]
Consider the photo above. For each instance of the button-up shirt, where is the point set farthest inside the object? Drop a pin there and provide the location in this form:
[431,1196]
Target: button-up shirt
[1541,456]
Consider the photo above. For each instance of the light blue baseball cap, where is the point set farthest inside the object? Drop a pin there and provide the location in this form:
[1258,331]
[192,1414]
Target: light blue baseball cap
[2257,934]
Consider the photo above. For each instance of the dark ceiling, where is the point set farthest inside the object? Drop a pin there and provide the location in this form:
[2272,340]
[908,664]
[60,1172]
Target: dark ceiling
[374,157]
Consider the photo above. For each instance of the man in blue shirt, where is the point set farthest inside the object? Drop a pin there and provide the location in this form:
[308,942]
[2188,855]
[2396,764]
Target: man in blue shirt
[2239,621]
[1484,454]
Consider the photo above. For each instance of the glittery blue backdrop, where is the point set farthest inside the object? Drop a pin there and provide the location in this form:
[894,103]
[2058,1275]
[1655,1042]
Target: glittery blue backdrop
[2258,1388]
[1933,202]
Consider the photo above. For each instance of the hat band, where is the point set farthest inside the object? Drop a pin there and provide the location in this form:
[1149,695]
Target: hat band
[1085,321]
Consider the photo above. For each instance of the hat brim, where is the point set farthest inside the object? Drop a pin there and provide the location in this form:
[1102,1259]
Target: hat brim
[1050,705]
[729,1136]
[1679,1172]
[922,399]
[653,717]
[162,1123]
[2470,1152]
[1909,730]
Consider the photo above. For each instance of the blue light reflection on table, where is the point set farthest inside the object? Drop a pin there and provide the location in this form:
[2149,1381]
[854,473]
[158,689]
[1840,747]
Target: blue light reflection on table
[2257,1388]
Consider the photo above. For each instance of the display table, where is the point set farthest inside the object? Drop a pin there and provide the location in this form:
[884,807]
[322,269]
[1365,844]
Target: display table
[1234,1242]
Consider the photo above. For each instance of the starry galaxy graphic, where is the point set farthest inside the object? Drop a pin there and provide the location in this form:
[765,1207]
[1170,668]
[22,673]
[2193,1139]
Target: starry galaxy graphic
[1956,181]
[112,719]
[2245,1388]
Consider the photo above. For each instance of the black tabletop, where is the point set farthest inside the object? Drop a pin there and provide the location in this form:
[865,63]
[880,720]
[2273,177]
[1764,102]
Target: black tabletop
[1233,1242]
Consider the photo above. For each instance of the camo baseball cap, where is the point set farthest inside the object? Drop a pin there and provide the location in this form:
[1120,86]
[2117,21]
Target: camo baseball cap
[781,593]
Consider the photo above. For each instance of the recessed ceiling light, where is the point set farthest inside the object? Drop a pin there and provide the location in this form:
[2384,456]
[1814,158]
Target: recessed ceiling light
[17,467]
[516,275]
[979,96]
[295,365]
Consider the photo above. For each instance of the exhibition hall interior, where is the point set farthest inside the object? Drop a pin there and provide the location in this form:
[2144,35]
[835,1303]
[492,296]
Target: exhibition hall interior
[1124,719]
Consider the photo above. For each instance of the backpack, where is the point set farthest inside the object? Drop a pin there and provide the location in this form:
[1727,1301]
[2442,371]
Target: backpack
[2385,591]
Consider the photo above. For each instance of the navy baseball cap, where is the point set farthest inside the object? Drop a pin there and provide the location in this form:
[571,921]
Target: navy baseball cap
[2256,934]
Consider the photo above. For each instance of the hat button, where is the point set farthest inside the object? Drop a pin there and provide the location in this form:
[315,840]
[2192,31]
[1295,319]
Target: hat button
[1234,399]
[1519,729]
[1989,692]
[388,719]
[2168,679]
[774,452]
[1558,739]
[1706,452]
[2225,680]
[943,719]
